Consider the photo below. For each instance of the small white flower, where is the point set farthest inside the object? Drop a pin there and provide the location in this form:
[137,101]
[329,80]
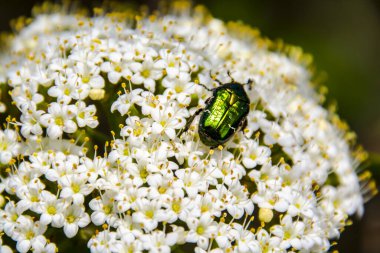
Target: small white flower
[28,234]
[51,209]
[65,89]
[30,121]
[75,187]
[4,248]
[128,231]
[105,241]
[179,208]
[255,155]
[75,217]
[40,162]
[135,246]
[103,210]
[63,165]
[9,146]
[192,181]
[125,101]
[201,230]
[89,74]
[148,213]
[30,197]
[93,167]
[86,116]
[158,241]
[239,202]
[254,122]
[180,83]
[274,134]
[146,73]
[44,246]
[116,68]
[59,120]
[9,216]
[172,62]
[289,232]
[166,120]
[245,240]
[223,236]
[200,250]
[267,242]
[207,204]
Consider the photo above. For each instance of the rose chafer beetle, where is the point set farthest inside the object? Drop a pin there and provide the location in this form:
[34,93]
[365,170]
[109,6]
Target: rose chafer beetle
[224,114]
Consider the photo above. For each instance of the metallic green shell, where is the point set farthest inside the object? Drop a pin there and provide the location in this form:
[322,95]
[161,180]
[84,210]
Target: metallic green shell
[223,114]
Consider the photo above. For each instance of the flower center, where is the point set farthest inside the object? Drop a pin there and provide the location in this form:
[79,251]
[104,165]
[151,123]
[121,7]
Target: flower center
[143,173]
[3,146]
[81,115]
[253,156]
[138,131]
[276,136]
[51,210]
[118,68]
[29,235]
[178,88]
[34,199]
[145,73]
[75,187]
[85,79]
[70,218]
[149,214]
[14,217]
[107,209]
[204,208]
[200,230]
[66,92]
[162,189]
[176,207]
[59,121]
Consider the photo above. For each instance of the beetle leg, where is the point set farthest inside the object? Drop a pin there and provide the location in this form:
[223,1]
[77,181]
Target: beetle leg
[243,125]
[189,121]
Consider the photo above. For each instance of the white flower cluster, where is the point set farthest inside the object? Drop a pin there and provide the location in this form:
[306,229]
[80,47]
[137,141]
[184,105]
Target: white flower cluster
[126,87]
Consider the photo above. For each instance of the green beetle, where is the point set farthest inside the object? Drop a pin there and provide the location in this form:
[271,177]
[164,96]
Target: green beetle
[224,114]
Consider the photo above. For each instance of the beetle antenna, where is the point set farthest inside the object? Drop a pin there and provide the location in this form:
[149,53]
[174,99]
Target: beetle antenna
[204,86]
[215,79]
[229,74]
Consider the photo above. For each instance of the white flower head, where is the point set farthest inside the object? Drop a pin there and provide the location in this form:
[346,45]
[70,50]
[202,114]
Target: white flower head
[111,136]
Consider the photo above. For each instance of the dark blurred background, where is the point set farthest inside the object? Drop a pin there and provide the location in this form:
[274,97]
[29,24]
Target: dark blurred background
[344,38]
